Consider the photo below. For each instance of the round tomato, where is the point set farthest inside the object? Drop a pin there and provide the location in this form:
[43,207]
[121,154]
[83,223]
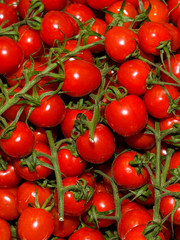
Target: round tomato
[127,116]
[86,233]
[174,10]
[53,5]
[33,222]
[101,149]
[99,4]
[174,163]
[5,230]
[9,14]
[20,143]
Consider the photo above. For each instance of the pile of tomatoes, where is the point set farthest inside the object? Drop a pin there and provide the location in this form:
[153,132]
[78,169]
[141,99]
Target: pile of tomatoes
[89,119]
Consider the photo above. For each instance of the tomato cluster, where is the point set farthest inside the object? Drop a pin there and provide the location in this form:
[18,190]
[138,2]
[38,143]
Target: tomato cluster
[89,119]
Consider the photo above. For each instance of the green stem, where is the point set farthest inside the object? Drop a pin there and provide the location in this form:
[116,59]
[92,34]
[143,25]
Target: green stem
[57,171]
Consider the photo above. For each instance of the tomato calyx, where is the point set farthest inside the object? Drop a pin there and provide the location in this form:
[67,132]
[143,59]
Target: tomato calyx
[142,193]
[139,162]
[152,230]
[111,235]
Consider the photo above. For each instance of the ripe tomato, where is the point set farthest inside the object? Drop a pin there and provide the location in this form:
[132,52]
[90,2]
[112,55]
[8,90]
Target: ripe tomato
[30,41]
[72,207]
[174,163]
[132,75]
[167,204]
[81,78]
[50,113]
[86,233]
[70,165]
[99,4]
[120,43]
[123,172]
[101,149]
[21,142]
[9,14]
[8,205]
[26,193]
[132,219]
[157,102]
[127,116]
[103,201]
[68,122]
[174,10]
[53,5]
[175,33]
[130,205]
[51,23]
[66,227]
[5,230]
[40,172]
[150,35]
[11,55]
[33,222]
[41,136]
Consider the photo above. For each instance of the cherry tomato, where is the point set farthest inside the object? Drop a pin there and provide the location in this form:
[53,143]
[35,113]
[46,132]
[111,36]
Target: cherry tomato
[9,14]
[40,172]
[127,116]
[53,5]
[120,42]
[174,10]
[99,4]
[101,149]
[20,143]
[11,55]
[86,233]
[5,230]
[175,33]
[174,163]
[33,222]
[81,78]
[123,172]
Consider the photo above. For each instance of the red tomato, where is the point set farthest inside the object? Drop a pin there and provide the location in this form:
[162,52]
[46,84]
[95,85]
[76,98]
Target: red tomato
[5,230]
[127,116]
[53,5]
[137,233]
[70,165]
[177,231]
[150,35]
[120,42]
[12,3]
[50,113]
[66,227]
[68,122]
[9,178]
[9,14]
[167,204]
[41,136]
[40,172]
[11,55]
[157,102]
[129,11]
[23,7]
[101,149]
[174,10]
[71,206]
[51,23]
[99,4]
[103,201]
[128,206]
[8,205]
[132,219]
[86,233]
[124,173]
[33,222]
[30,41]
[175,33]
[132,75]
[21,142]
[26,193]
[81,12]
[174,163]
[81,78]
[159,11]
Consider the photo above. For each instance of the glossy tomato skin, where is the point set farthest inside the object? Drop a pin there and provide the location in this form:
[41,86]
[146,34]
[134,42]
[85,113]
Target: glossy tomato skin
[51,23]
[174,163]
[81,78]
[5,230]
[53,5]
[132,75]
[120,42]
[123,172]
[11,55]
[157,102]
[40,172]
[99,4]
[21,143]
[167,204]
[132,219]
[70,165]
[71,206]
[175,33]
[33,222]
[174,10]
[127,116]
[50,113]
[87,233]
[68,122]
[9,14]
[26,193]
[150,35]
[101,149]
[30,41]
[64,228]
[8,205]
